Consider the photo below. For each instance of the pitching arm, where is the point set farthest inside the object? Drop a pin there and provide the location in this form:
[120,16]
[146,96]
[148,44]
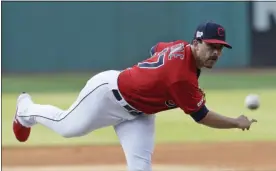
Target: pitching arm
[215,120]
[192,102]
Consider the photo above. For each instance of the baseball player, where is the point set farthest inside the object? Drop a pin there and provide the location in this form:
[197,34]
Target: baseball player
[128,99]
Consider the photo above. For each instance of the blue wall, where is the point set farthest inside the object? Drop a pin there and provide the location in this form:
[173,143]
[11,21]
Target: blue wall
[76,36]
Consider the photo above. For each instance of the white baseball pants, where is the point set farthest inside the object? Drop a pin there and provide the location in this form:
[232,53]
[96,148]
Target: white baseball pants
[96,107]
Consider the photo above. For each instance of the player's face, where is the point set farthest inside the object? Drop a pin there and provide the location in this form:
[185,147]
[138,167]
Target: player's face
[208,54]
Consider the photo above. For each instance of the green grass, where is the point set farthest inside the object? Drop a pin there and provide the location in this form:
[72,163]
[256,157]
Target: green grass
[44,82]
[171,126]
[74,82]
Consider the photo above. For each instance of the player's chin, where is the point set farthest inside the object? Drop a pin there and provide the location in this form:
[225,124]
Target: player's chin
[209,67]
[210,64]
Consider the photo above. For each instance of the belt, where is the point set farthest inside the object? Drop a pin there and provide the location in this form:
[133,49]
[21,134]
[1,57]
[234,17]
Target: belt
[130,109]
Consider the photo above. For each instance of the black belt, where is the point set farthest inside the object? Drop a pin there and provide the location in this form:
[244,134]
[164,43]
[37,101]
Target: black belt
[130,109]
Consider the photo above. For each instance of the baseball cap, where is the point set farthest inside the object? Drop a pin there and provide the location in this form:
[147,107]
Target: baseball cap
[211,32]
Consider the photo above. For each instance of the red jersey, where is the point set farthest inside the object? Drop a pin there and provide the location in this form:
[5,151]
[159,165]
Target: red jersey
[166,80]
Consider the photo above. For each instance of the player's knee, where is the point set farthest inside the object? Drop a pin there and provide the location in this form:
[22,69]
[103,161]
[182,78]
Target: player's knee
[75,130]
[139,163]
[69,133]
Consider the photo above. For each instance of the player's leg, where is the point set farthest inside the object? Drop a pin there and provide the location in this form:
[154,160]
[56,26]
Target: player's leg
[74,121]
[93,109]
[137,139]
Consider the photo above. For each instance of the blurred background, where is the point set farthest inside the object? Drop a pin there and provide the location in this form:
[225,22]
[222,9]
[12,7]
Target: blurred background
[50,49]
[89,36]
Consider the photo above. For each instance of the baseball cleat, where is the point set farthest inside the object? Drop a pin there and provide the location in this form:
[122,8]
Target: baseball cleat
[21,132]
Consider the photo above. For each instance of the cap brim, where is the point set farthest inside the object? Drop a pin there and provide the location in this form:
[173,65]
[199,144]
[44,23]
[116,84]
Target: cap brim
[218,42]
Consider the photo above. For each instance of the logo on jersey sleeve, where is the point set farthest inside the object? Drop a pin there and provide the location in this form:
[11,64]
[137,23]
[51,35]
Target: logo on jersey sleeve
[170,104]
[203,97]
[200,102]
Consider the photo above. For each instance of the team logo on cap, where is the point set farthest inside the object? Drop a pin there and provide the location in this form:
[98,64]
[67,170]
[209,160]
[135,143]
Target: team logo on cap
[221,31]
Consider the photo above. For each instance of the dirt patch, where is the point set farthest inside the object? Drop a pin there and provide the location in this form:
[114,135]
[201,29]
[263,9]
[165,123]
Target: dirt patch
[246,155]
[117,168]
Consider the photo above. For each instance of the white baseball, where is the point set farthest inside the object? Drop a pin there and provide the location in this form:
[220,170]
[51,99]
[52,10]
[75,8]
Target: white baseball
[252,101]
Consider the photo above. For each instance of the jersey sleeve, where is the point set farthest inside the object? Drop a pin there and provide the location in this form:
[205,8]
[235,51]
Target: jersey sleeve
[187,95]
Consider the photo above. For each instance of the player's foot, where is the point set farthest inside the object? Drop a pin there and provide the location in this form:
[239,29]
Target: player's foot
[22,128]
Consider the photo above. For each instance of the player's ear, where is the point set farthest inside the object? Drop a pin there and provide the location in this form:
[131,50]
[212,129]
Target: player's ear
[195,42]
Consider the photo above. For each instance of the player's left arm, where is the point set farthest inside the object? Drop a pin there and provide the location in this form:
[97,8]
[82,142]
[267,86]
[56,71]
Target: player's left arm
[190,99]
